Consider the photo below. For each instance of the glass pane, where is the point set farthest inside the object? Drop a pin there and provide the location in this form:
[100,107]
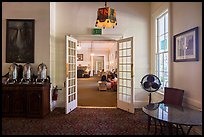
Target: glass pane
[120,67]
[124,53]
[128,83]
[69,99]
[120,83]
[128,67]
[120,96]
[166,62]
[120,45]
[161,63]
[166,82]
[124,90]
[166,38]
[74,45]
[69,91]
[128,91]
[124,75]
[161,26]
[129,99]
[124,83]
[123,60]
[129,44]
[74,81]
[120,53]
[128,75]
[162,43]
[128,59]
[128,52]
[124,68]
[124,45]
[166,22]
[161,77]
[74,96]
[124,98]
[120,74]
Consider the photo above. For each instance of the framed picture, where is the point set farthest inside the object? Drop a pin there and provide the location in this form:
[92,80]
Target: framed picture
[116,54]
[186,46]
[79,57]
[20,40]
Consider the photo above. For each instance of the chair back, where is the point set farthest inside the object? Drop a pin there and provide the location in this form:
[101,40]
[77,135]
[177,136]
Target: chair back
[173,96]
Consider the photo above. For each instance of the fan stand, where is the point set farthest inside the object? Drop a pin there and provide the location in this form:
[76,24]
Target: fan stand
[150,97]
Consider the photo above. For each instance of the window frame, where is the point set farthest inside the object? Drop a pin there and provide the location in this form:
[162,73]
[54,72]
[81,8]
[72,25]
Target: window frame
[157,53]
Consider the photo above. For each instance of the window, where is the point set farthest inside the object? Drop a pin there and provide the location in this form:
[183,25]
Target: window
[162,49]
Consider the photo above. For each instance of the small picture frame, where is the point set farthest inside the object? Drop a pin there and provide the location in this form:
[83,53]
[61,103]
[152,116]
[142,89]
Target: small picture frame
[20,40]
[186,46]
[79,57]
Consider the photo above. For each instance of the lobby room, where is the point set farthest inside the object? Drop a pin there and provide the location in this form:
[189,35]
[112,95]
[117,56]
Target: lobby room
[160,40]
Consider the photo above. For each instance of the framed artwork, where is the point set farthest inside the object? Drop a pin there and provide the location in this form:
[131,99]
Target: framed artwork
[20,40]
[79,57]
[116,54]
[186,46]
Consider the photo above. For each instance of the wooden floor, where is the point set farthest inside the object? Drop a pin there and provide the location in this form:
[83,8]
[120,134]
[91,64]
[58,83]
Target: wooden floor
[90,96]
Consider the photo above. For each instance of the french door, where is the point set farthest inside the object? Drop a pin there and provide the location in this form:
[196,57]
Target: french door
[125,85]
[71,76]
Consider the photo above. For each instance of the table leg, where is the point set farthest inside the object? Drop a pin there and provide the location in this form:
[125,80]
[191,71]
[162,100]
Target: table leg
[189,130]
[149,123]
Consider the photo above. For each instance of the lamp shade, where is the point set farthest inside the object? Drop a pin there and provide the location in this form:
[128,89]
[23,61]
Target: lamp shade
[106,18]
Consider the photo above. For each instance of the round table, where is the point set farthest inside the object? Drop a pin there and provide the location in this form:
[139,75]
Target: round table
[174,114]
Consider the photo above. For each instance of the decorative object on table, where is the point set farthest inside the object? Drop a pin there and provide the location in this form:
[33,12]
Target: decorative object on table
[13,73]
[106,17]
[20,40]
[42,74]
[150,83]
[186,46]
[27,73]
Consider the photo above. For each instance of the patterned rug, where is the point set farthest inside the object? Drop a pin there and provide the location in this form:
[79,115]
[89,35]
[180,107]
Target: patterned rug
[81,121]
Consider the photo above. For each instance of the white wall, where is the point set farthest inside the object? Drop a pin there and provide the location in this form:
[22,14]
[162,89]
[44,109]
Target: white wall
[98,48]
[188,75]
[79,18]
[185,75]
[112,57]
[29,10]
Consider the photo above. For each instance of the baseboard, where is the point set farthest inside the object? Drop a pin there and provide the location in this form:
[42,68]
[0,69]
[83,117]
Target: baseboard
[192,103]
[60,104]
[140,104]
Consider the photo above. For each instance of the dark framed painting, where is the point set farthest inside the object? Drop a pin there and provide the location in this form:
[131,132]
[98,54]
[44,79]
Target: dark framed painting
[79,57]
[20,40]
[186,46]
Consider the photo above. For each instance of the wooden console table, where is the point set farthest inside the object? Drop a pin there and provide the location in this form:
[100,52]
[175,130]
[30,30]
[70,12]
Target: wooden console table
[27,100]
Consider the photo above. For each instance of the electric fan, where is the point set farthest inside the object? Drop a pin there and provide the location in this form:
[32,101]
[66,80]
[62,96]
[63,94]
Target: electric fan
[150,83]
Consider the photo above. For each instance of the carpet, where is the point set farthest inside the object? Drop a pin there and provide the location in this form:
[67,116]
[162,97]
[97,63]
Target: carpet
[89,95]
[81,121]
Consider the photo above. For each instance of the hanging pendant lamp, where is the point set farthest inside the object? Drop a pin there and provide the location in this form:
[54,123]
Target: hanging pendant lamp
[106,17]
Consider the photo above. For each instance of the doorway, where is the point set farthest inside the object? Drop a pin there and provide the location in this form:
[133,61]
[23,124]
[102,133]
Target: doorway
[97,55]
[125,86]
